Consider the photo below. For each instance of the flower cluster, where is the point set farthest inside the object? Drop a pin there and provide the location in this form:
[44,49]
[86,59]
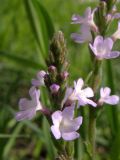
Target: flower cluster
[66,100]
[63,123]
[100,46]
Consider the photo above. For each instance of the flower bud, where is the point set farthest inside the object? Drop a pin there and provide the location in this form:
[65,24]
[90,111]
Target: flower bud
[64,75]
[52,69]
[54,88]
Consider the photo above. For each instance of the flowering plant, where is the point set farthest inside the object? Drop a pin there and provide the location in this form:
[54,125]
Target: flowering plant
[64,116]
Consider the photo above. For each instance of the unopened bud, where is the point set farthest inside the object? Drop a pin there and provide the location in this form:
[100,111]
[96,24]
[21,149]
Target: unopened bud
[52,69]
[64,75]
[54,88]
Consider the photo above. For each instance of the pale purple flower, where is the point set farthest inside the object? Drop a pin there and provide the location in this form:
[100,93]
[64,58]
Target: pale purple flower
[85,35]
[40,79]
[116,35]
[64,125]
[28,107]
[106,98]
[82,95]
[54,88]
[86,19]
[102,48]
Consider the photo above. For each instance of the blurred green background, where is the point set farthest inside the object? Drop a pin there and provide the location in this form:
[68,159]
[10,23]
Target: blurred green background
[26,27]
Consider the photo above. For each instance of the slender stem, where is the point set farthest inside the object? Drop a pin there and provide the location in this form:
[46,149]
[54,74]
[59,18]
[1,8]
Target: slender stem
[96,79]
[92,131]
[66,151]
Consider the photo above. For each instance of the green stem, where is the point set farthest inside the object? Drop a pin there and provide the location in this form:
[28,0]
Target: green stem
[96,79]
[92,131]
[66,151]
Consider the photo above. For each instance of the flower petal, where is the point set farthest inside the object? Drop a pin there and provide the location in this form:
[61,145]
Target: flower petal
[57,117]
[93,49]
[92,103]
[98,41]
[78,85]
[32,91]
[86,33]
[36,82]
[70,125]
[77,122]
[41,74]
[112,54]
[76,19]
[104,92]
[68,112]
[56,132]
[112,100]
[25,104]
[108,42]
[88,92]
[34,94]
[27,114]
[70,136]
[88,12]
[78,38]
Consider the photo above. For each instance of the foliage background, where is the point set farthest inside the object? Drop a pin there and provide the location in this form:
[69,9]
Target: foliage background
[23,48]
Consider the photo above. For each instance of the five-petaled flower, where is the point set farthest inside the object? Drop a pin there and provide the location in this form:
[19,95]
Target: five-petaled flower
[40,79]
[82,95]
[27,107]
[106,98]
[64,125]
[102,48]
[86,19]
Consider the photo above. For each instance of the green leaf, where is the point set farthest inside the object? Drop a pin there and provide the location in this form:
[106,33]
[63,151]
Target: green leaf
[13,136]
[12,140]
[112,111]
[41,24]
[20,61]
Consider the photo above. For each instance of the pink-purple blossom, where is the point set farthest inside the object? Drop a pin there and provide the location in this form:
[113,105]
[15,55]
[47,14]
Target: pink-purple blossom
[39,81]
[102,48]
[86,19]
[82,95]
[85,35]
[54,88]
[28,107]
[64,125]
[105,97]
